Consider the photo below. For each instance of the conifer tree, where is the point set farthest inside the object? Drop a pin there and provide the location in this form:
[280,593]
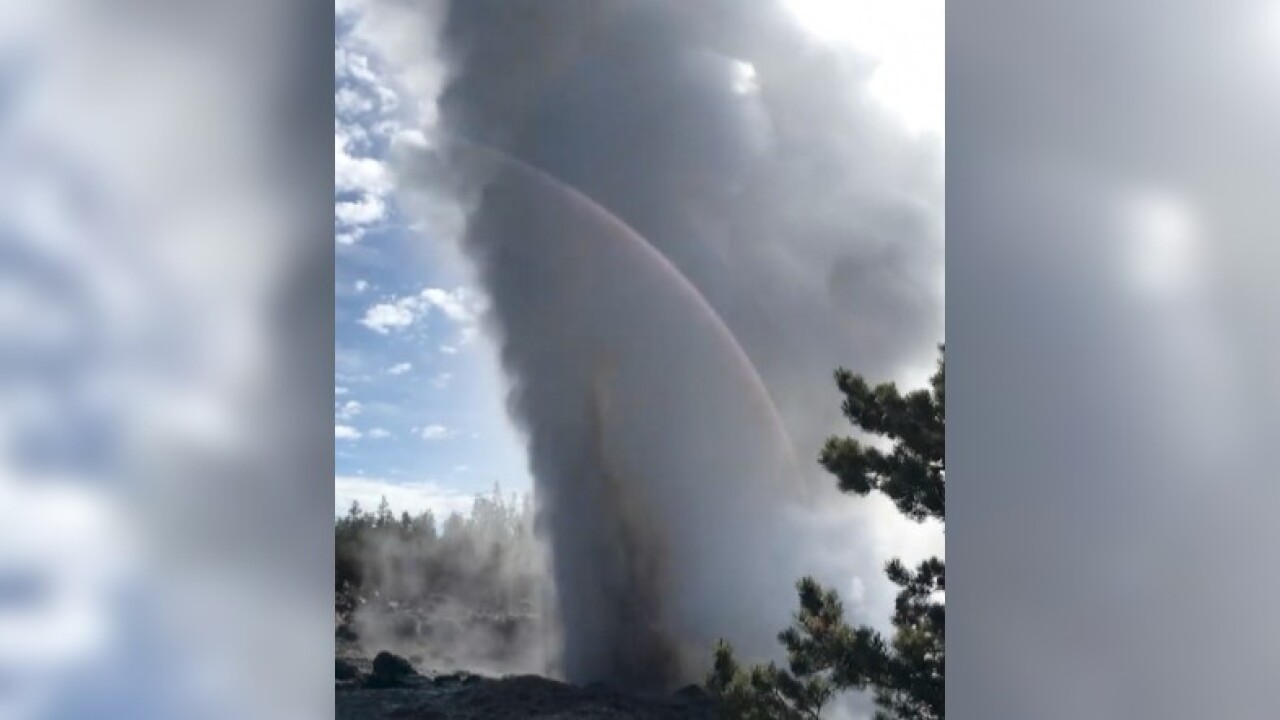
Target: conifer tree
[906,673]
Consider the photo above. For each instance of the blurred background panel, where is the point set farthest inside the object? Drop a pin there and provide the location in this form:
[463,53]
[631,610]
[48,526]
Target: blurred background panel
[166,340]
[1112,317]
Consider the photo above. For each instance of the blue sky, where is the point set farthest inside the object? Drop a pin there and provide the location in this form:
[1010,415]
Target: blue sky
[418,398]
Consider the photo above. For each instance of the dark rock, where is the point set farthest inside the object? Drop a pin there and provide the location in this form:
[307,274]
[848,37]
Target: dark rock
[392,671]
[418,712]
[466,696]
[692,693]
[391,665]
[457,678]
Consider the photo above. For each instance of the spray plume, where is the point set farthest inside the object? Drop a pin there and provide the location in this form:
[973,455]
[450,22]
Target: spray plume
[766,222]
[646,426]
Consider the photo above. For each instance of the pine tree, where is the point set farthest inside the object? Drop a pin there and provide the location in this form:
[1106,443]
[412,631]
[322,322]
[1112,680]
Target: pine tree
[425,527]
[384,518]
[825,654]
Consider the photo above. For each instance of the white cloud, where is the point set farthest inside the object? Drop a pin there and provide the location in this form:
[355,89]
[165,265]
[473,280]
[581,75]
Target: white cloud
[448,350]
[385,316]
[368,209]
[461,305]
[379,433]
[405,39]
[339,390]
[354,136]
[400,368]
[347,101]
[358,174]
[347,7]
[349,236]
[365,104]
[348,410]
[352,64]
[389,102]
[355,67]
[436,432]
[361,285]
[441,381]
[411,497]
[345,432]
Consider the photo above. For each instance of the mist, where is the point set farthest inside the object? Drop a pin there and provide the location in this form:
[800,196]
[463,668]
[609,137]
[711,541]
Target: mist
[462,591]
[685,216]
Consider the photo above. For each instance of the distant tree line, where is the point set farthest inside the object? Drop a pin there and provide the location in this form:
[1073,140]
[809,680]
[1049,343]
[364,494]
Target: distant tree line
[484,560]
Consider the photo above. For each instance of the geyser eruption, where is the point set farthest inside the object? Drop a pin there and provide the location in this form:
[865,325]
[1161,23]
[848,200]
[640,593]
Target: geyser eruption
[754,165]
[658,457]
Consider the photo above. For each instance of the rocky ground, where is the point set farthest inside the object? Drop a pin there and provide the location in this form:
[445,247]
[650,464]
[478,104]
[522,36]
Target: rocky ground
[379,696]
[390,686]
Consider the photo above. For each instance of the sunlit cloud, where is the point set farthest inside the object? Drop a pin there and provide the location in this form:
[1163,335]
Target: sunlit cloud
[907,38]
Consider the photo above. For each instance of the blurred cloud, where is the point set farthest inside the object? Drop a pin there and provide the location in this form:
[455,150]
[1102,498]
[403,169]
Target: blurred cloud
[1111,173]
[1164,242]
[64,558]
[163,398]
